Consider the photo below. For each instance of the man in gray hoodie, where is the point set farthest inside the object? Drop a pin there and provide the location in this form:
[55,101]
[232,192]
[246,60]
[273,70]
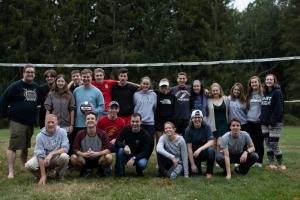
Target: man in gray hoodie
[50,151]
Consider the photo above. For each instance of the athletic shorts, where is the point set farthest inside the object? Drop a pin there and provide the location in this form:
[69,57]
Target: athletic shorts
[20,136]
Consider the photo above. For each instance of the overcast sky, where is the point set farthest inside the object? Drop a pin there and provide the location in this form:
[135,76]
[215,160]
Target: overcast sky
[242,4]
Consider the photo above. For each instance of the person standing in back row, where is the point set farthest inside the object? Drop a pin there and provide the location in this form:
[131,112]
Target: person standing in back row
[50,76]
[88,99]
[271,120]
[253,126]
[22,97]
[182,92]
[123,94]
[217,117]
[165,107]
[105,86]
[145,104]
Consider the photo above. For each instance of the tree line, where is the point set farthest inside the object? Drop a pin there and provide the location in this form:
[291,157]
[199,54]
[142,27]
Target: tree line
[140,31]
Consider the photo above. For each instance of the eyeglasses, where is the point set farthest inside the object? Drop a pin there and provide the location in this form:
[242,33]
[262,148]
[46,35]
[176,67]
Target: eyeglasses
[196,117]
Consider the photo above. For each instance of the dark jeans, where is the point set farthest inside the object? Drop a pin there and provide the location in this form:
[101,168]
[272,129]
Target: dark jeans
[163,164]
[122,159]
[151,132]
[254,130]
[235,158]
[207,155]
[90,164]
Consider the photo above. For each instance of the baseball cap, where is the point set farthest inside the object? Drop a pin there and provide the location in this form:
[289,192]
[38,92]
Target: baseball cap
[114,103]
[197,112]
[163,81]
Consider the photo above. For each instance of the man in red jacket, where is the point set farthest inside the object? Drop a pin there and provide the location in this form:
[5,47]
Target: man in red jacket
[112,124]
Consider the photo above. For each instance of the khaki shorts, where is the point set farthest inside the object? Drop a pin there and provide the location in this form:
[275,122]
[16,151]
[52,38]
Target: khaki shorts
[20,136]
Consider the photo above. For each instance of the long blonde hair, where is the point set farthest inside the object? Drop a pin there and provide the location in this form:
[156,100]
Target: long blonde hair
[220,88]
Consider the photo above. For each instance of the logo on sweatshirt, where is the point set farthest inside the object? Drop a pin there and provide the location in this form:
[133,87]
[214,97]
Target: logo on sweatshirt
[30,95]
[182,95]
[266,101]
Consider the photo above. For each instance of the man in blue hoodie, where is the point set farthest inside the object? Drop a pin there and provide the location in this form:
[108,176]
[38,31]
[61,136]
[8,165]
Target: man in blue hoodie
[50,151]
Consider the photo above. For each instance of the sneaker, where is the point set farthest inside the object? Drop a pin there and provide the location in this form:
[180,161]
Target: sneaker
[236,164]
[257,165]
[209,176]
[173,175]
[272,167]
[10,176]
[85,173]
[281,167]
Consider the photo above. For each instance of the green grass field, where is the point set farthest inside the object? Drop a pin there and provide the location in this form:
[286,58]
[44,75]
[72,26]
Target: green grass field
[258,184]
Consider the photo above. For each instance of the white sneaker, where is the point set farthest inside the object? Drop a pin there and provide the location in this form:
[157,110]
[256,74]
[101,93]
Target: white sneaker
[236,164]
[257,165]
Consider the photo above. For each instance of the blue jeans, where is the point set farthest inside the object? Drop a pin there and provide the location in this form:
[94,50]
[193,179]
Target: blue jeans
[122,159]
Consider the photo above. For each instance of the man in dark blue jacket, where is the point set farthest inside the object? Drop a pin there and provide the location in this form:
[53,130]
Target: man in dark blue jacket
[22,97]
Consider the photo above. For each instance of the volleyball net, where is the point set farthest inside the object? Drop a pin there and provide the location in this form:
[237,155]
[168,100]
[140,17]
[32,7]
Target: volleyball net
[226,72]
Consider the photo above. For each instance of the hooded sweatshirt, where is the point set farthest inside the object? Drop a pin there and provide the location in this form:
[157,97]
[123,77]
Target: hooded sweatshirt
[145,104]
[48,142]
[272,107]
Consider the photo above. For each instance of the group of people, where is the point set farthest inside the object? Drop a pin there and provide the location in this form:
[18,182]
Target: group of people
[84,122]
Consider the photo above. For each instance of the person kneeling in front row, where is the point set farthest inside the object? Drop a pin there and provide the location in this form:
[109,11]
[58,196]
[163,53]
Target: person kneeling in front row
[172,153]
[92,149]
[236,147]
[50,151]
[133,147]
[200,142]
